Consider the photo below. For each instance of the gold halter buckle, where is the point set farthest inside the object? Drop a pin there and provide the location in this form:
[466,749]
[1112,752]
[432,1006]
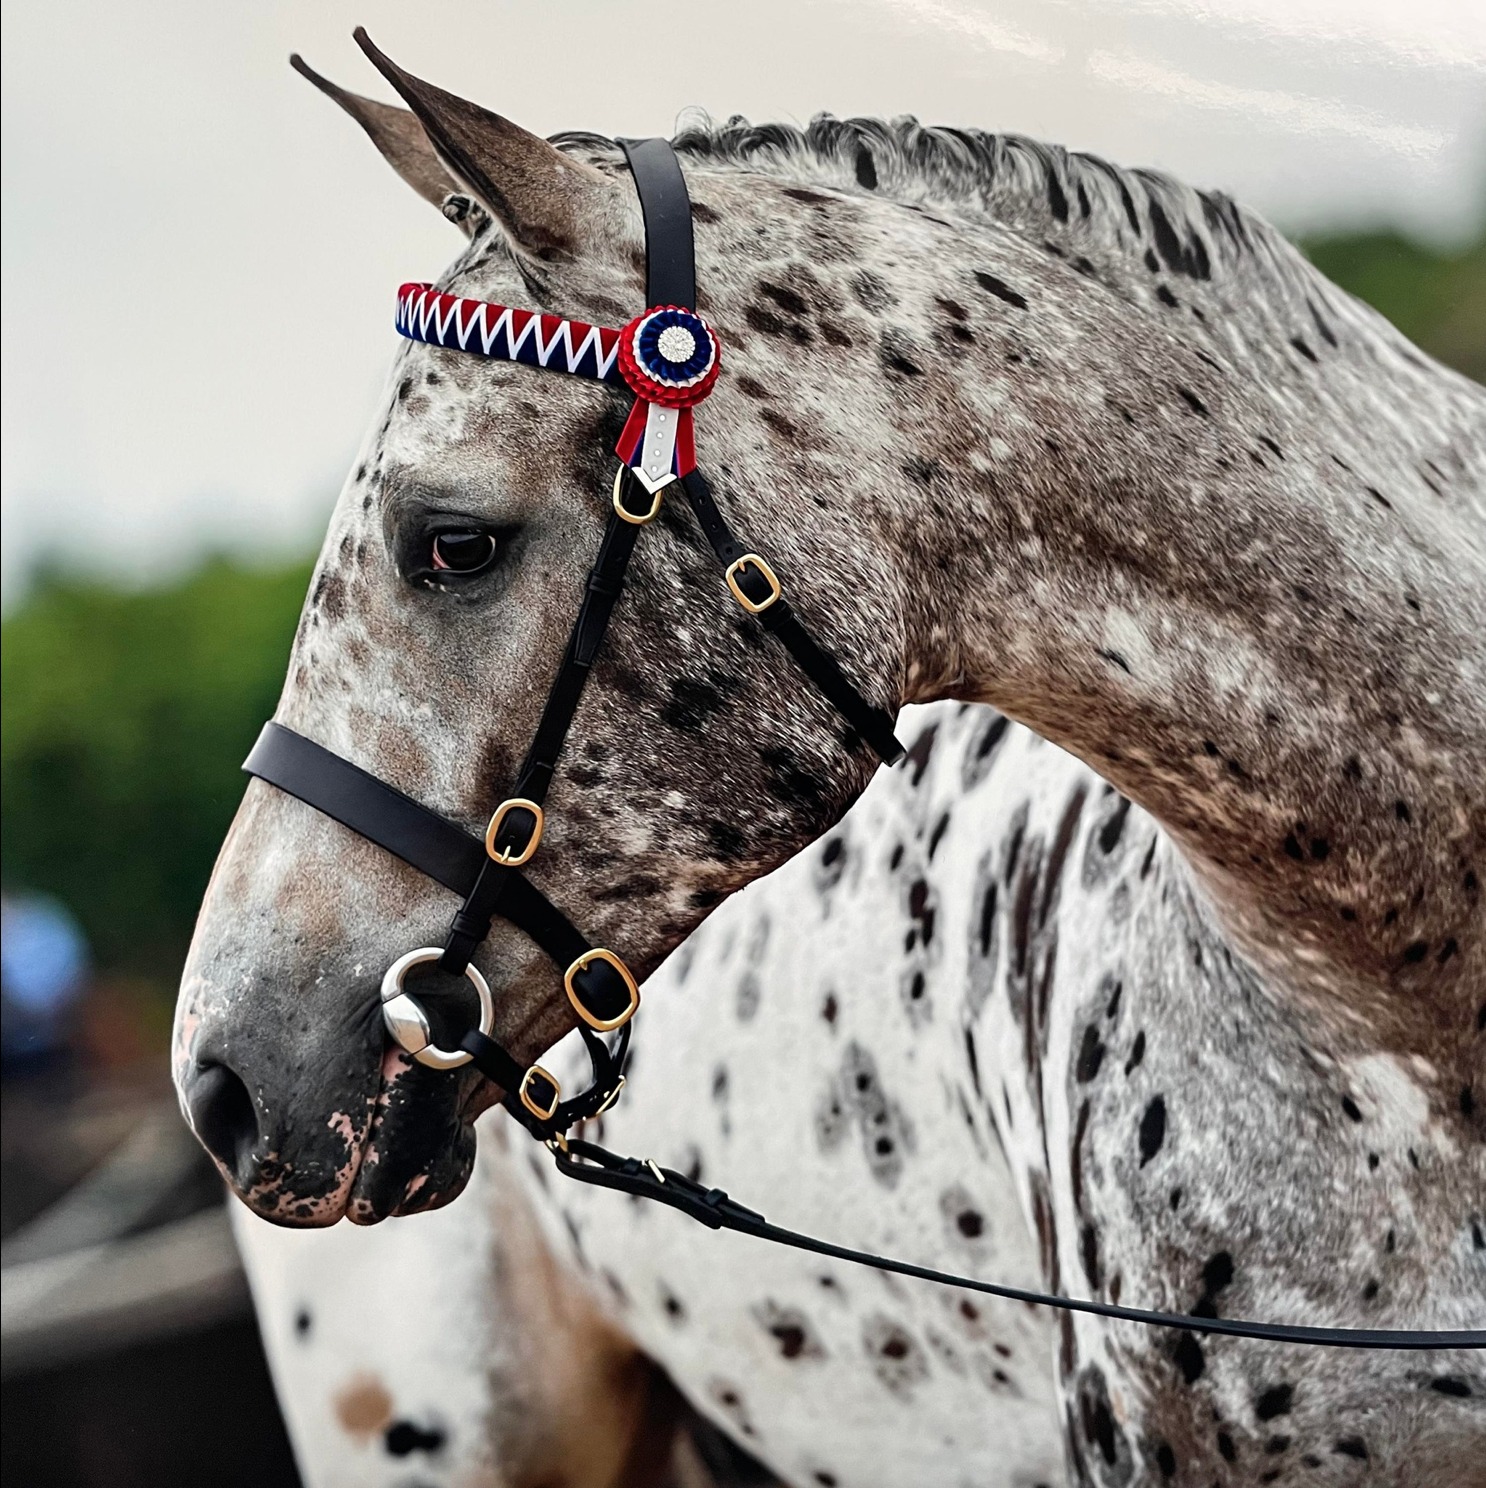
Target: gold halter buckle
[752,560]
[635,519]
[603,1025]
[492,832]
[542,1113]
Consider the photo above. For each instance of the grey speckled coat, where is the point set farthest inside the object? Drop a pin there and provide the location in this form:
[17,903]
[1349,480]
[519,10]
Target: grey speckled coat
[1018,428]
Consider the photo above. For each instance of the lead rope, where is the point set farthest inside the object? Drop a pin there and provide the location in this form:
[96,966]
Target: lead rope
[588,1163]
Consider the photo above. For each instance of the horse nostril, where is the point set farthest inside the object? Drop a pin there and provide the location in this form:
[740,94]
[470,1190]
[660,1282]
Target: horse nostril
[224,1119]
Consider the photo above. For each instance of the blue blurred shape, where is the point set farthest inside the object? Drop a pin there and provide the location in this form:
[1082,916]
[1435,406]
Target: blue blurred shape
[43,968]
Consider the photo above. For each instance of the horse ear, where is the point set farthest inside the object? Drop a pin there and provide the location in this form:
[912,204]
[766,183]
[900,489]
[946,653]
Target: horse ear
[400,138]
[536,193]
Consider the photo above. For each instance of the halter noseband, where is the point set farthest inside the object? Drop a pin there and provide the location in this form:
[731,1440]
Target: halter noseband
[670,358]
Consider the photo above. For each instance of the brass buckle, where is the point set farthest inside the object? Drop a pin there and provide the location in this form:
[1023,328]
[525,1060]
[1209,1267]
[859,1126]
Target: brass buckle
[624,513]
[536,1072]
[754,607]
[604,1025]
[509,859]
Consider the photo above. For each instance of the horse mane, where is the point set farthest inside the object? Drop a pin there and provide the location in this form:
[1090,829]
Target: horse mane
[1055,195]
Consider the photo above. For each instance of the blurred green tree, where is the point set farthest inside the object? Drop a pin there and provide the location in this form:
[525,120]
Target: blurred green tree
[1436,298]
[128,713]
[126,717]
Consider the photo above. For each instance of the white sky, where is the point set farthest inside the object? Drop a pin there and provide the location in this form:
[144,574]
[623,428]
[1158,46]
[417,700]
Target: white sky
[200,252]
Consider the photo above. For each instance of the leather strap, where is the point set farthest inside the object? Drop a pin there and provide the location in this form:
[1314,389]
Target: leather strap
[872,724]
[347,794]
[670,252]
[601,592]
[712,1207]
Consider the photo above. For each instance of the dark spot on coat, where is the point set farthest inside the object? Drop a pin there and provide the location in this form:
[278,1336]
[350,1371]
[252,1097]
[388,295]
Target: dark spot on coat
[1166,297]
[701,212]
[1351,1446]
[866,169]
[785,298]
[1277,1400]
[1299,344]
[1089,1254]
[1152,1129]
[1193,401]
[693,703]
[1090,1055]
[404,1438]
[1187,1354]
[769,324]
[728,843]
[1353,1111]
[1137,1052]
[894,354]
[1114,826]
[1000,289]
[1447,1384]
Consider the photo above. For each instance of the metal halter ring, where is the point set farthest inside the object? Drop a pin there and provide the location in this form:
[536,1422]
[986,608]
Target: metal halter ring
[624,513]
[752,560]
[406,1021]
[514,859]
[604,1025]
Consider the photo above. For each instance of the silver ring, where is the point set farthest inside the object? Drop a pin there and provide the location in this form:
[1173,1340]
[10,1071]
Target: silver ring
[408,1023]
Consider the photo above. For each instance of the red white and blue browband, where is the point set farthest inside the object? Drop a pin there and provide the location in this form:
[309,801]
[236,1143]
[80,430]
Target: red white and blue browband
[669,359]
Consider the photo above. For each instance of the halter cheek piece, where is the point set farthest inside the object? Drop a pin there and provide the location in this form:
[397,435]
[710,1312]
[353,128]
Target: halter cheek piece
[670,358]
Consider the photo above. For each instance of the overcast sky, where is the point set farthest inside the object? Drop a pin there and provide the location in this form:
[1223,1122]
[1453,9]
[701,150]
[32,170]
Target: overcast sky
[201,253]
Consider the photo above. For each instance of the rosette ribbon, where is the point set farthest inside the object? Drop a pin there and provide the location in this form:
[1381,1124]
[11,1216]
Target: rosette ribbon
[669,358]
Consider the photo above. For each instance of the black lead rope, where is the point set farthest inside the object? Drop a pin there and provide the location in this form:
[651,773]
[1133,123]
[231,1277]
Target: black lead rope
[488,879]
[712,1207]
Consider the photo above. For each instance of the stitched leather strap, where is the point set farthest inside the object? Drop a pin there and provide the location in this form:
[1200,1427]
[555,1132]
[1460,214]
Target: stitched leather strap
[712,1207]
[601,592]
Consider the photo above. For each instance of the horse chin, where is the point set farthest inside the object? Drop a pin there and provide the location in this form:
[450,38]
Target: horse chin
[419,1151]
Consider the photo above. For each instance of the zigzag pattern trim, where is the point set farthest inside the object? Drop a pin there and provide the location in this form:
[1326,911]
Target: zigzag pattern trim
[508,334]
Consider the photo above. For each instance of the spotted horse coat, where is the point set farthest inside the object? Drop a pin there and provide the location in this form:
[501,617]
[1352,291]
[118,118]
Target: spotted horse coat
[1025,429]
[1070,1160]
[923,1385]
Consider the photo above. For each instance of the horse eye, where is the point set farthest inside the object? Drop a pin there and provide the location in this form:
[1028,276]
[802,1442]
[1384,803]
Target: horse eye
[463,552]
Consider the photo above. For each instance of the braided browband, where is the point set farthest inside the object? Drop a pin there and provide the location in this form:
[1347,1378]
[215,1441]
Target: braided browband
[668,357]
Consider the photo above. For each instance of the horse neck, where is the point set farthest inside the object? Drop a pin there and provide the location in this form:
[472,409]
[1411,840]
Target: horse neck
[1241,577]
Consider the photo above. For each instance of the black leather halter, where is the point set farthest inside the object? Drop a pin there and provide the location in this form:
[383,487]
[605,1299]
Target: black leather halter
[487,876]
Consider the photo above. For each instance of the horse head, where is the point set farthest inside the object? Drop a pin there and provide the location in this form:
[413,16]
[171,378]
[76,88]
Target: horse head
[435,623]
[1011,426]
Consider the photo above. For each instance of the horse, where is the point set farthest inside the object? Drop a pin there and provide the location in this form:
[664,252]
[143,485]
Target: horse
[1023,429]
[924,1385]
